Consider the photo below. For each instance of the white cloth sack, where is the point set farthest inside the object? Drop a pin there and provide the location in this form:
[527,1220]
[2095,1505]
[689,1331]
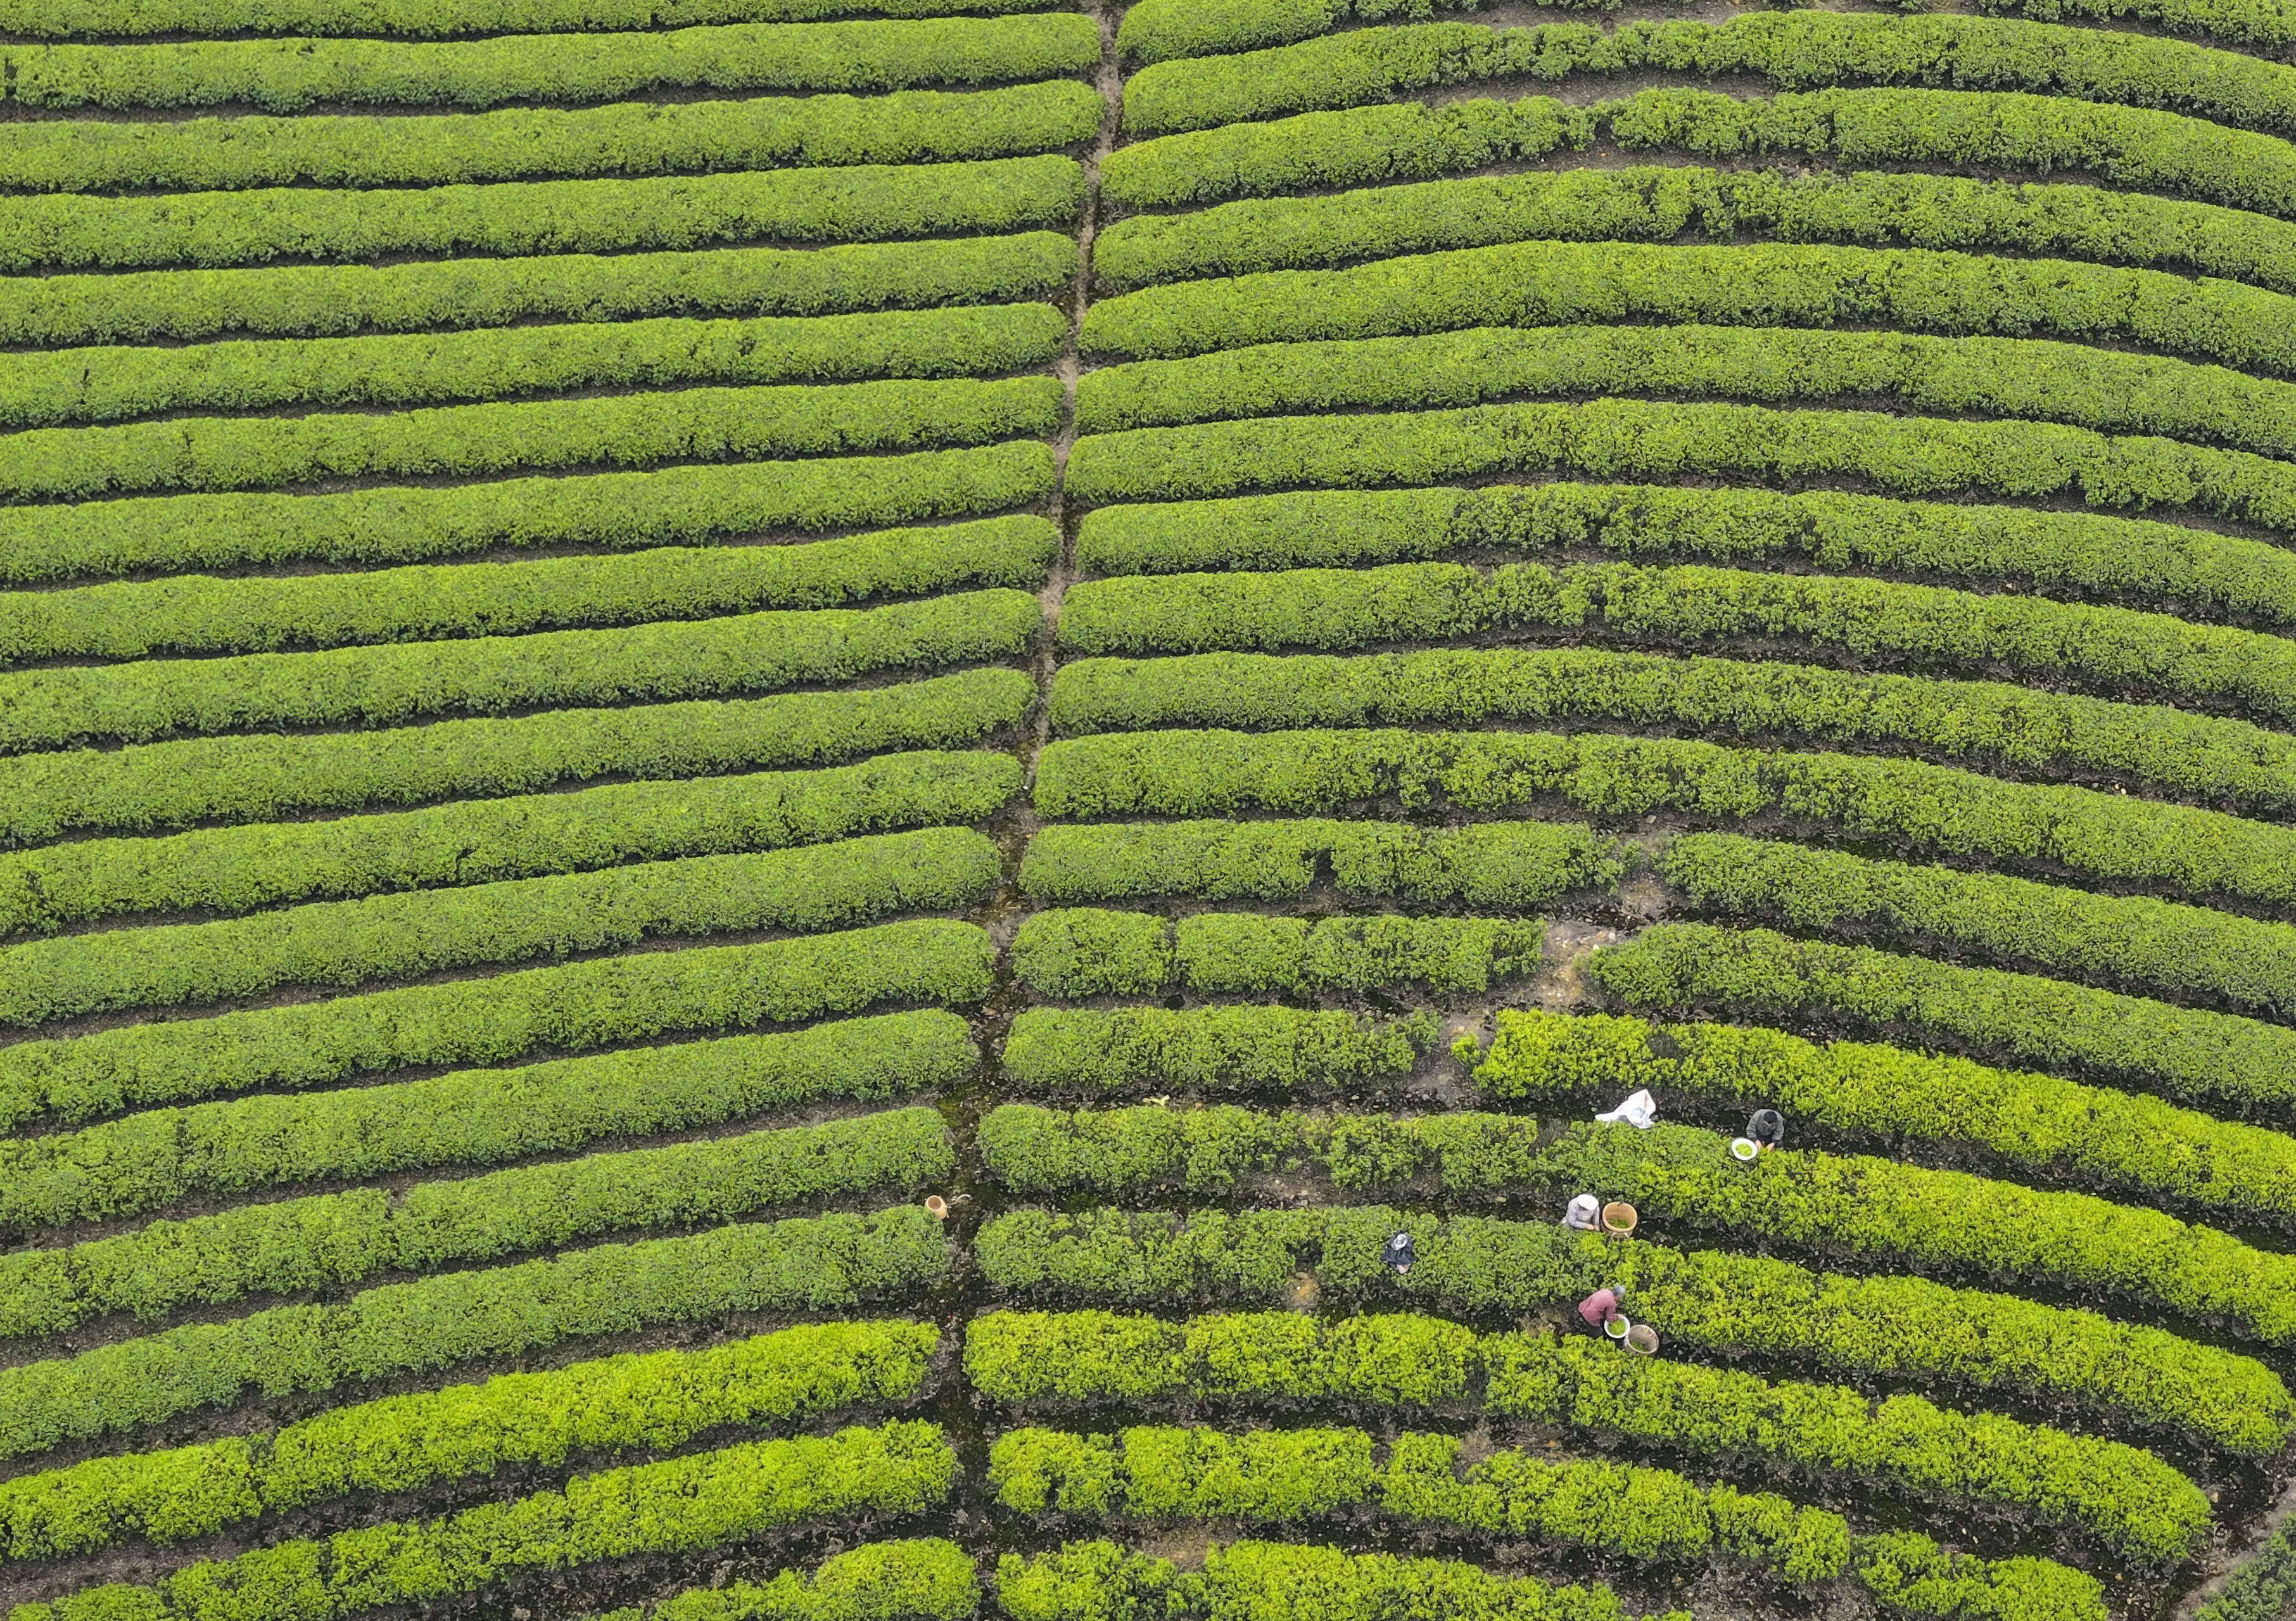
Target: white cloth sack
[1639,1111]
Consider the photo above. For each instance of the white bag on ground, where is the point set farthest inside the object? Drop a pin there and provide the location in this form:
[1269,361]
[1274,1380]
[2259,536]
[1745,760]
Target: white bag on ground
[1639,1111]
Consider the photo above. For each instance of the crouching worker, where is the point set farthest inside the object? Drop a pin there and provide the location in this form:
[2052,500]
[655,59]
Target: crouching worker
[1768,1128]
[1598,1308]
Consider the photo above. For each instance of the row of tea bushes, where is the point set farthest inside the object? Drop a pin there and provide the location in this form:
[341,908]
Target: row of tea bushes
[1268,1475]
[1552,284]
[2145,945]
[1837,1205]
[1711,1301]
[2107,389]
[1861,1090]
[1161,30]
[858,202]
[2122,1497]
[910,1579]
[204,614]
[437,19]
[2224,1062]
[692,505]
[154,787]
[291,75]
[399,1444]
[2084,834]
[1224,1047]
[735,655]
[1794,51]
[1072,953]
[1258,1581]
[1637,203]
[1897,455]
[568,1007]
[2013,730]
[350,943]
[225,870]
[331,1239]
[337,300]
[818,1263]
[1625,1509]
[218,454]
[114,385]
[681,1505]
[531,143]
[2081,554]
[471,1117]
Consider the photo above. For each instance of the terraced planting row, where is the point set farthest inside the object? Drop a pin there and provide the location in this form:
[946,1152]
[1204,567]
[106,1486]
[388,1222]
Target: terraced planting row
[848,811]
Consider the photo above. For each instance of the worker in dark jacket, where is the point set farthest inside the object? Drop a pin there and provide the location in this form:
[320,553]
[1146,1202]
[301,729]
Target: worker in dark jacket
[1768,1128]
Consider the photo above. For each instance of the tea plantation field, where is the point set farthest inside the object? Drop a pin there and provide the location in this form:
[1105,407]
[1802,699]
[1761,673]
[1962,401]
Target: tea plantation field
[847,810]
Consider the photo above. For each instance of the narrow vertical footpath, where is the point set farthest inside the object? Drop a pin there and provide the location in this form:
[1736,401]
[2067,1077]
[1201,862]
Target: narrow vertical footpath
[976,1199]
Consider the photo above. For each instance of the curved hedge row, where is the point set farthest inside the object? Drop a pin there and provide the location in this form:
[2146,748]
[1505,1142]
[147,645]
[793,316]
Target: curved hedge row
[2126,1498]
[856,203]
[2197,573]
[466,1118]
[682,1504]
[1914,455]
[1224,1047]
[821,1263]
[1635,202]
[331,1241]
[1889,1327]
[343,942]
[221,453]
[1512,864]
[1087,951]
[199,613]
[2160,152]
[2115,1139]
[2118,649]
[339,300]
[1836,1205]
[226,870]
[63,386]
[432,19]
[1161,30]
[1642,1513]
[912,1579]
[1252,1581]
[1555,283]
[2014,727]
[2131,941]
[621,511]
[570,1008]
[290,75]
[1164,30]
[1913,809]
[405,1442]
[1165,1472]
[1794,50]
[735,653]
[532,142]
[254,776]
[1687,968]
[1985,377]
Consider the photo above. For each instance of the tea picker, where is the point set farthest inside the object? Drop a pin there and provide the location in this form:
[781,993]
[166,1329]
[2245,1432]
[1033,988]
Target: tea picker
[1768,1129]
[1396,1252]
[1584,1214]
